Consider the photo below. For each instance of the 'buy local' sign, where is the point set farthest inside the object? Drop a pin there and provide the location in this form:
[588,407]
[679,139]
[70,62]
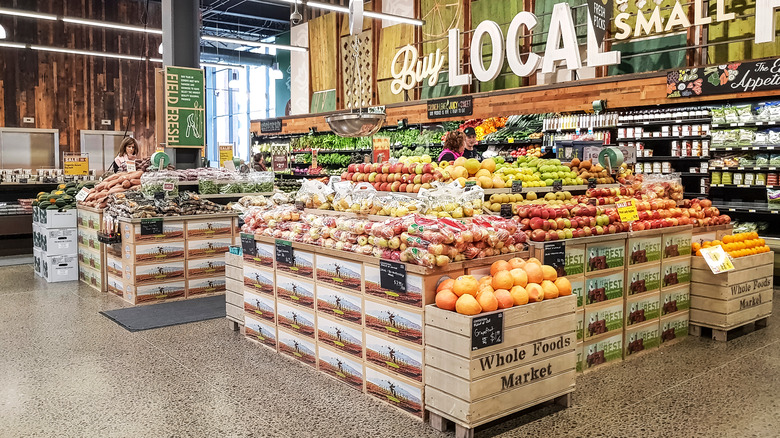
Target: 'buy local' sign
[561,46]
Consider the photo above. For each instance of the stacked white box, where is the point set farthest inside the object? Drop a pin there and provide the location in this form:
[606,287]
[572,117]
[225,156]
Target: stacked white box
[55,239]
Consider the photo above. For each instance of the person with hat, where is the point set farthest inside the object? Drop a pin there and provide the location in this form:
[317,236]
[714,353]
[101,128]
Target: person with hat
[471,141]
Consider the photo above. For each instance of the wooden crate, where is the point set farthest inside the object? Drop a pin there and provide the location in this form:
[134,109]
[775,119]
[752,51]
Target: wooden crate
[608,253]
[674,327]
[534,363]
[732,299]
[265,256]
[642,308]
[604,286]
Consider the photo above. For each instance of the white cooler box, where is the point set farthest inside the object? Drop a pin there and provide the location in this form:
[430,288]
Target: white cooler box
[60,268]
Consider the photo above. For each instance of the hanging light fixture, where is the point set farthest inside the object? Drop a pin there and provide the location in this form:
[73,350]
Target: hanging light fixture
[234,82]
[275,73]
[2,33]
[160,49]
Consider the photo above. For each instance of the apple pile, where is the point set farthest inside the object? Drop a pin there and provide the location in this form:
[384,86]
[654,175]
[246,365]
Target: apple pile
[531,198]
[542,224]
[399,177]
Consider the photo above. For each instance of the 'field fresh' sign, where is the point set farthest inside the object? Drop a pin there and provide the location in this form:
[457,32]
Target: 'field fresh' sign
[561,46]
[185,122]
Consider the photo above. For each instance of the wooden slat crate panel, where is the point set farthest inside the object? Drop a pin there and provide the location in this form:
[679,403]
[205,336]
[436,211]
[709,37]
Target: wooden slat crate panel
[739,263]
[235,313]
[235,298]
[735,290]
[734,305]
[706,277]
[235,285]
[710,319]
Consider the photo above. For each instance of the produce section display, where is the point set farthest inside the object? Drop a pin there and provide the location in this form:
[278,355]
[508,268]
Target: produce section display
[61,198]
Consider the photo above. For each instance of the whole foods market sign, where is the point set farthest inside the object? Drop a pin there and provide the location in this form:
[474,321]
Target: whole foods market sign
[561,47]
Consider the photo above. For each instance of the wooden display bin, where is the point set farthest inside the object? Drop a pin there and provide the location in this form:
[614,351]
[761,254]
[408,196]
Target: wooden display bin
[726,301]
[298,347]
[198,287]
[534,362]
[340,335]
[339,272]
[404,394]
[642,308]
[264,257]
[209,228]
[204,268]
[339,304]
[92,253]
[258,279]
[295,291]
[296,319]
[394,356]
[607,286]
[172,230]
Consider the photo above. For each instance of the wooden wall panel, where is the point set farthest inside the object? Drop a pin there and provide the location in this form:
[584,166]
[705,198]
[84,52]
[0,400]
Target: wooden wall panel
[391,38]
[75,92]
[323,60]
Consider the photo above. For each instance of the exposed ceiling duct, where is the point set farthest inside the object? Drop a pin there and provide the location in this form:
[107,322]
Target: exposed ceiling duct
[212,54]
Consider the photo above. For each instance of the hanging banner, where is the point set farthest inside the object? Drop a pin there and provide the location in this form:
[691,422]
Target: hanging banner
[73,165]
[185,121]
[600,13]
[225,154]
[738,77]
[381,149]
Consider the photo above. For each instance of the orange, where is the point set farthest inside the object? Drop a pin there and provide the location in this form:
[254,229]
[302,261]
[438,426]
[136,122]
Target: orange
[564,286]
[549,273]
[519,276]
[499,266]
[753,235]
[485,280]
[488,301]
[534,273]
[446,299]
[519,295]
[534,260]
[487,287]
[535,293]
[504,298]
[503,280]
[468,305]
[515,263]
[465,284]
[728,239]
[550,290]
[446,284]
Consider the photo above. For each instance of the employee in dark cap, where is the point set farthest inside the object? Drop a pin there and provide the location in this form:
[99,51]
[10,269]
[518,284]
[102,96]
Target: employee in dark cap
[471,141]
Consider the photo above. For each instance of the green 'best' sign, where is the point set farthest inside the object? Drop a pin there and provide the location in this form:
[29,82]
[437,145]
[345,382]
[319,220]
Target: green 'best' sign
[185,121]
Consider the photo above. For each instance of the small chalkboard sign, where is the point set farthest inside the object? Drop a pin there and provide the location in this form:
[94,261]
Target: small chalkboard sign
[22,181]
[248,244]
[555,255]
[151,227]
[591,183]
[506,211]
[487,330]
[593,201]
[392,276]
[517,186]
[159,196]
[557,185]
[300,205]
[284,252]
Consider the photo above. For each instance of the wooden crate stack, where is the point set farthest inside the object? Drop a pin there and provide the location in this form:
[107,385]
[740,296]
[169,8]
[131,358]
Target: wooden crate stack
[726,301]
[328,310]
[535,362]
[92,253]
[234,288]
[185,260]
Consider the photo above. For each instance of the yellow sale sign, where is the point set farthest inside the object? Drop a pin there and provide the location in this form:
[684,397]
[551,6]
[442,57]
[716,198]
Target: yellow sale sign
[627,211]
[75,165]
[717,259]
[225,153]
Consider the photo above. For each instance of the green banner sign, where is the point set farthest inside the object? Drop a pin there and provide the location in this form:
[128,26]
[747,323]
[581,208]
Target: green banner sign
[185,108]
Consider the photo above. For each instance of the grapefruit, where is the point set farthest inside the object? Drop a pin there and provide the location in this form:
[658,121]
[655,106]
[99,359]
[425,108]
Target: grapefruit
[446,299]
[468,305]
[465,285]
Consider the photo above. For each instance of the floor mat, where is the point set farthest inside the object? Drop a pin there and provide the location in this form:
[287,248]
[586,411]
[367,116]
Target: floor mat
[153,316]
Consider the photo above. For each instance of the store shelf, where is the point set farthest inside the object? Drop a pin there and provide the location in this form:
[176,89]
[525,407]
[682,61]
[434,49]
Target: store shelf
[339,151]
[747,207]
[234,195]
[745,148]
[742,186]
[667,158]
[744,124]
[579,188]
[766,168]
[664,122]
[668,138]
[582,129]
[694,174]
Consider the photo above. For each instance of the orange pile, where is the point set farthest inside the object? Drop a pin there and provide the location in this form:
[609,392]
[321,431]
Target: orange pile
[736,245]
[514,282]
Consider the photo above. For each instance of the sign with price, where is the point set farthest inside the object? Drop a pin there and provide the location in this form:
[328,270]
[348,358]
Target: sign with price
[487,330]
[392,276]
[506,211]
[248,244]
[284,252]
[225,154]
[152,227]
[557,185]
[717,259]
[75,165]
[517,186]
[627,211]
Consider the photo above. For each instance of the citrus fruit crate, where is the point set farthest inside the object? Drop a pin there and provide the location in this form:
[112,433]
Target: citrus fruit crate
[533,361]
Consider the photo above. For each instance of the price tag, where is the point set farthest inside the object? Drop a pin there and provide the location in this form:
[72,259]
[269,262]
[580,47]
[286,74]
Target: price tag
[717,259]
[152,227]
[470,184]
[168,187]
[392,276]
[555,256]
[82,194]
[300,205]
[627,211]
[487,330]
[510,140]
[248,244]
[591,183]
[22,181]
[284,252]
[130,165]
[517,186]
[557,185]
[506,211]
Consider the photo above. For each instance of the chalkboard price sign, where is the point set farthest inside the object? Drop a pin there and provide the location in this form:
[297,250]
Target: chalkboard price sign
[248,244]
[487,330]
[557,185]
[506,211]
[591,183]
[555,256]
[151,227]
[392,276]
[517,186]
[284,252]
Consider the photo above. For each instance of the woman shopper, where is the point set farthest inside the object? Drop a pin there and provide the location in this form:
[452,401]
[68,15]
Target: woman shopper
[454,145]
[128,150]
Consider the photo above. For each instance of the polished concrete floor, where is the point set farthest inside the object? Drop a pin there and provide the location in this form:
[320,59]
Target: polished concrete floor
[67,371]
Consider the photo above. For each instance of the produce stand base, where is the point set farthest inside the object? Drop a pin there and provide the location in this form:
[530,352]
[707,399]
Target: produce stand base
[234,326]
[721,334]
[440,422]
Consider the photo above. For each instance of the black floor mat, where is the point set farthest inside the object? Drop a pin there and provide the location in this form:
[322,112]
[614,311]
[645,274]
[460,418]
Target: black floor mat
[155,316]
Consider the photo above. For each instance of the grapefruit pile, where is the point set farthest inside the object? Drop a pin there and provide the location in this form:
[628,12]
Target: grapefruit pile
[514,282]
[736,245]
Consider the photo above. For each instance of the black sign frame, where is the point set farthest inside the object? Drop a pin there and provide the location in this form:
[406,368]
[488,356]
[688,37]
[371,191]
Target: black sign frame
[248,245]
[270,126]
[487,330]
[392,276]
[735,77]
[284,252]
[152,226]
[453,106]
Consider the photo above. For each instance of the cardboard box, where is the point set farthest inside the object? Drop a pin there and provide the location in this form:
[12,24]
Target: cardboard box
[36,235]
[643,278]
[642,337]
[57,219]
[674,327]
[675,272]
[60,268]
[395,390]
[294,290]
[153,252]
[602,350]
[264,257]
[260,306]
[580,325]
[393,321]
[395,357]
[339,304]
[578,289]
[296,319]
[203,286]
[58,241]
[340,336]
[298,347]
[642,308]
[339,272]
[259,279]
[302,265]
[173,230]
[260,331]
[605,255]
[414,296]
[603,318]
[341,367]
[580,356]
[115,266]
[90,258]
[91,277]
[88,219]
[154,292]
[115,250]
[205,268]
[207,229]
[88,238]
[37,261]
[676,299]
[208,248]
[604,288]
[677,244]
[643,250]
[115,286]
